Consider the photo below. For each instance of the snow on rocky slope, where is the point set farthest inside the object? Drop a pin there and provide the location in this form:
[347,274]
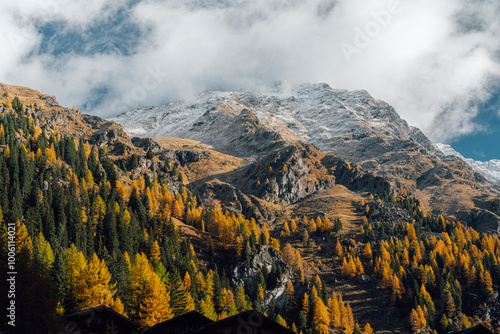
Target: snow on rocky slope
[351,124]
[315,113]
[489,169]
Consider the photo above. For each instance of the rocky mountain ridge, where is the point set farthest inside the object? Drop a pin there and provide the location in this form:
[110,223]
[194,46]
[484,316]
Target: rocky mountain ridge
[353,126]
[489,169]
[57,118]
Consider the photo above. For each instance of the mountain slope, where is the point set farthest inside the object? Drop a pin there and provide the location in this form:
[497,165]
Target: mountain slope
[351,125]
[251,215]
[57,118]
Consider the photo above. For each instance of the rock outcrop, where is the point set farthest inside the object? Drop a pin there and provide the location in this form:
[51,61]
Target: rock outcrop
[264,260]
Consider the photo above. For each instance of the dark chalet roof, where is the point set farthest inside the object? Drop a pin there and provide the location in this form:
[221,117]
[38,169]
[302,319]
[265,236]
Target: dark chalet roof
[478,329]
[100,318]
[184,323]
[96,319]
[246,322]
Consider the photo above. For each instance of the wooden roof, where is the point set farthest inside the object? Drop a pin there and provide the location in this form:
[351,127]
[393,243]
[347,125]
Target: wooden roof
[246,322]
[184,323]
[478,329]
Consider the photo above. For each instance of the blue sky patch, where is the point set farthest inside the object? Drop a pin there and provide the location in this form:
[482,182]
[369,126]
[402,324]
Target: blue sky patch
[115,34]
[483,146]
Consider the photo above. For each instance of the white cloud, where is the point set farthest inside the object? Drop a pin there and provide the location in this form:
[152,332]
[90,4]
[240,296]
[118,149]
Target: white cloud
[432,59]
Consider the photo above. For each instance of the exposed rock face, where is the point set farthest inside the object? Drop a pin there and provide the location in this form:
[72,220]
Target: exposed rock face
[286,175]
[50,100]
[247,275]
[233,199]
[354,178]
[146,143]
[389,213]
[187,157]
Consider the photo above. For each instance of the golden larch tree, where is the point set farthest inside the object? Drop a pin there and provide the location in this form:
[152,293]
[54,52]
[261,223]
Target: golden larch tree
[367,329]
[290,296]
[155,252]
[97,289]
[320,317]
[148,297]
[305,304]
[417,319]
[367,252]
[333,305]
[279,319]
[285,232]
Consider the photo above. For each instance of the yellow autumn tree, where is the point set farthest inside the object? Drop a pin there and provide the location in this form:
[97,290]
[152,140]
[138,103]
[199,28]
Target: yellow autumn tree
[290,296]
[240,299]
[279,319]
[97,289]
[120,189]
[177,211]
[208,309]
[350,316]
[50,152]
[148,296]
[348,268]
[285,232]
[338,249]
[187,281]
[368,329]
[367,252]
[327,225]
[155,252]
[320,317]
[333,305]
[6,152]
[43,251]
[319,223]
[417,319]
[487,284]
[312,226]
[305,304]
[118,306]
[75,266]
[273,242]
[23,240]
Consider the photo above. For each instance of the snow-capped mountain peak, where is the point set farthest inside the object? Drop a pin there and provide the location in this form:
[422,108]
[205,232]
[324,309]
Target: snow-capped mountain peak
[351,124]
[314,113]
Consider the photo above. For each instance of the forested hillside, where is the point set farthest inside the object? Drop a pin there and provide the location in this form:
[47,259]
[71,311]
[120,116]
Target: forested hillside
[117,226]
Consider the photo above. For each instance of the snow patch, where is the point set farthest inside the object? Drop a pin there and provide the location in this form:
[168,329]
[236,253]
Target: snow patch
[489,169]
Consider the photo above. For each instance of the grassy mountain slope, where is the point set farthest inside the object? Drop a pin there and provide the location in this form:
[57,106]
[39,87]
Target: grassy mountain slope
[199,226]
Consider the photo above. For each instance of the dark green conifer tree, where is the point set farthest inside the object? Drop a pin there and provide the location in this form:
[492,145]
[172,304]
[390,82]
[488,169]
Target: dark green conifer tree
[178,295]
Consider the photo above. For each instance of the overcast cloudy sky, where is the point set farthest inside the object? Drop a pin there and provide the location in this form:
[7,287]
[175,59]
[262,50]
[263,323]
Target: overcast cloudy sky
[436,61]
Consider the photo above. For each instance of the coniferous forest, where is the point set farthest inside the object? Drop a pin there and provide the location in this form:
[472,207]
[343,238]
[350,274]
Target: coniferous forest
[93,228]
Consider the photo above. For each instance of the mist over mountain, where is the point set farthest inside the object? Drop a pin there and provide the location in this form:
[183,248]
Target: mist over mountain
[442,76]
